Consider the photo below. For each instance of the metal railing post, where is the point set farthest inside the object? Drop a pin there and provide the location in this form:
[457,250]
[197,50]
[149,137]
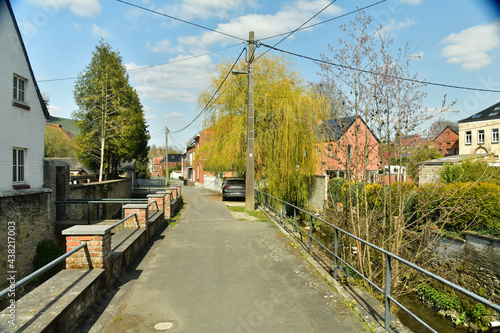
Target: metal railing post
[336,252]
[88,212]
[275,209]
[283,213]
[294,218]
[310,232]
[387,292]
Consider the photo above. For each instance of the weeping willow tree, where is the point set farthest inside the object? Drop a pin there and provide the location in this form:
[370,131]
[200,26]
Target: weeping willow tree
[287,111]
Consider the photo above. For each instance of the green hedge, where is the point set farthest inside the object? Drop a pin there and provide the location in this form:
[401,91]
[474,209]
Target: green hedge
[471,206]
[461,206]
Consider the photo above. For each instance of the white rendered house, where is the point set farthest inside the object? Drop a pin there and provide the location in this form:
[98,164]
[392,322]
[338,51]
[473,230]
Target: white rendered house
[22,111]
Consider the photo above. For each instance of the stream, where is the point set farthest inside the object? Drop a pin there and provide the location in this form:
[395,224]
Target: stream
[427,315]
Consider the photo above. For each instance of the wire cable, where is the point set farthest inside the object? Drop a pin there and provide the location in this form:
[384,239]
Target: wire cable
[375,73]
[213,96]
[326,21]
[151,66]
[292,32]
[180,20]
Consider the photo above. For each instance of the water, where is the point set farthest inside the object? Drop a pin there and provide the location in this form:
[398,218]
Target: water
[427,315]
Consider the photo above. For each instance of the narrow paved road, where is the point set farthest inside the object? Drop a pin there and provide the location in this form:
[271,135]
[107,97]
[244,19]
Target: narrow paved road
[212,273]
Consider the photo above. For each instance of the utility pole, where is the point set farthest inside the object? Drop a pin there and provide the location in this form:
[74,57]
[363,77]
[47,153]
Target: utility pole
[249,191]
[166,155]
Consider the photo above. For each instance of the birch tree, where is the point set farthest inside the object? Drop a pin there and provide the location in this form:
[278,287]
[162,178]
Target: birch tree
[375,82]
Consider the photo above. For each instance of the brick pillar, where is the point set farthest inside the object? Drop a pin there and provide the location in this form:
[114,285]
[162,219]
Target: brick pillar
[178,190]
[159,197]
[174,192]
[167,201]
[98,250]
[141,218]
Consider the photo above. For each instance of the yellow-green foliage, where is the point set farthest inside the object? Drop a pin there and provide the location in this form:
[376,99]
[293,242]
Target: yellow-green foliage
[463,206]
[286,115]
[470,170]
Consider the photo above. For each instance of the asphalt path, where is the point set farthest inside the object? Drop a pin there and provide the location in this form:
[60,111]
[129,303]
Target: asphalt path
[212,273]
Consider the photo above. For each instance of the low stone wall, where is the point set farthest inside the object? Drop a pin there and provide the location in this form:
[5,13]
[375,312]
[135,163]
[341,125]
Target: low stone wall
[121,188]
[477,258]
[56,305]
[24,222]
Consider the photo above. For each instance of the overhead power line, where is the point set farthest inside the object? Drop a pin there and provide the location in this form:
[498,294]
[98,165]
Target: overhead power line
[181,20]
[325,21]
[213,96]
[380,74]
[300,26]
[156,65]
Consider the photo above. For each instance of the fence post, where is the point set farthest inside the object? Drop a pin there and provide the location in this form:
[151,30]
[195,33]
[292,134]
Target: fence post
[88,212]
[283,213]
[387,292]
[336,252]
[310,232]
[294,219]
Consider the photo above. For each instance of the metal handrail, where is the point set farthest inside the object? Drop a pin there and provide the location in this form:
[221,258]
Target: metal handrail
[153,202]
[40,271]
[100,201]
[121,221]
[388,256]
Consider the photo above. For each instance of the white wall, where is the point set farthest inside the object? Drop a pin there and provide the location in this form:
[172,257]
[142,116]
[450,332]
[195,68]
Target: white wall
[213,183]
[20,128]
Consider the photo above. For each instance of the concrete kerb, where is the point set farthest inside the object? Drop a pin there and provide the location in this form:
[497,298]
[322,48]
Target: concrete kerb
[375,324]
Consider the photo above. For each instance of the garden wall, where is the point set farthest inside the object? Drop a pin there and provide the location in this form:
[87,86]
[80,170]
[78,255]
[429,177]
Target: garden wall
[477,258]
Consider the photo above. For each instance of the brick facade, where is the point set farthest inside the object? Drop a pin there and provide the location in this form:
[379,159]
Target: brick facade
[447,142]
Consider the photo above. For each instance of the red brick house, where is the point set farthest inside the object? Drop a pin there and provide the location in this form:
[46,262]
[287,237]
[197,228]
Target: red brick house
[157,166]
[348,149]
[447,141]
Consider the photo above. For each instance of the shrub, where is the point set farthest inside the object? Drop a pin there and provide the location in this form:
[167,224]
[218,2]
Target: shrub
[334,191]
[46,251]
[472,206]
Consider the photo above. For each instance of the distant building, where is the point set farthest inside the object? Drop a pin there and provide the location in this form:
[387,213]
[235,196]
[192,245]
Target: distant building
[479,133]
[447,141]
[348,149]
[157,166]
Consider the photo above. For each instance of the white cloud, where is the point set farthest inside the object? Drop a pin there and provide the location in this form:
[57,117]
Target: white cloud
[397,26]
[86,8]
[100,32]
[160,46]
[412,2]
[55,110]
[287,19]
[171,83]
[222,9]
[471,48]
[417,56]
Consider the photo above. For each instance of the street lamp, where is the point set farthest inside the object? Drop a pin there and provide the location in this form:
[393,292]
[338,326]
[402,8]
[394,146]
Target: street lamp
[249,191]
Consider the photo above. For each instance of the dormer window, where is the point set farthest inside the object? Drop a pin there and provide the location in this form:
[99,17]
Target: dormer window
[19,88]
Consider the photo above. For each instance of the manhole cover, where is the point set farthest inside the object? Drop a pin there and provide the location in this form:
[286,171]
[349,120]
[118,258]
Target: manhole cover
[164,326]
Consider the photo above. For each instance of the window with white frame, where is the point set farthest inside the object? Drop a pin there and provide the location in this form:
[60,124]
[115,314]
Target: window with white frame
[480,136]
[468,137]
[19,88]
[18,165]
[494,135]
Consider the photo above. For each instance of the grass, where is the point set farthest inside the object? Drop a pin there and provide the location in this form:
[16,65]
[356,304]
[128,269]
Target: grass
[254,213]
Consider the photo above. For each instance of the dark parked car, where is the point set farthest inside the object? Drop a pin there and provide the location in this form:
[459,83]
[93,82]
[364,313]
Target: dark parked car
[233,188]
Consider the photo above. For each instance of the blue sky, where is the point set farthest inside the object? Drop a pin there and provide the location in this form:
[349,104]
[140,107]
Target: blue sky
[458,40]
